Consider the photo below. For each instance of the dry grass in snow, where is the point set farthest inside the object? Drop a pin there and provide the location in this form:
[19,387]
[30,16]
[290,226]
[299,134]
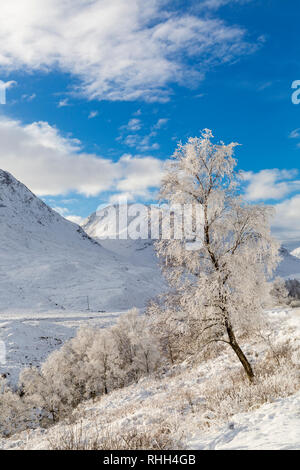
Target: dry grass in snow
[186,404]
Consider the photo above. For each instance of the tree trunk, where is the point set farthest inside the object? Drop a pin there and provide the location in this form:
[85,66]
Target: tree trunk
[243,359]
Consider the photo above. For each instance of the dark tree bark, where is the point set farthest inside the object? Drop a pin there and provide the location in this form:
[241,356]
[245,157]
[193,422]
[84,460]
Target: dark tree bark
[232,339]
[243,359]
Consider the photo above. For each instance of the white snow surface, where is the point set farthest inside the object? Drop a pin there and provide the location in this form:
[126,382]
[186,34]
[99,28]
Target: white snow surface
[104,227]
[296,252]
[166,401]
[48,263]
[274,426]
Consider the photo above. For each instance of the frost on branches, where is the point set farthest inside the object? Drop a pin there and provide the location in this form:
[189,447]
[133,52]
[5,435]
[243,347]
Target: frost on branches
[220,287]
[92,364]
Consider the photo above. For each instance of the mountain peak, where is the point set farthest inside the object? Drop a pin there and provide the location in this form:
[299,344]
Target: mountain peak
[7,178]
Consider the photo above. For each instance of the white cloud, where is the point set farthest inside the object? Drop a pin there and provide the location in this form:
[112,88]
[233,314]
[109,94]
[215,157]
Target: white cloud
[65,212]
[7,85]
[141,174]
[51,164]
[29,98]
[295,134]
[215,4]
[270,184]
[61,210]
[141,143]
[134,124]
[280,185]
[286,224]
[63,103]
[160,123]
[93,114]
[75,218]
[119,50]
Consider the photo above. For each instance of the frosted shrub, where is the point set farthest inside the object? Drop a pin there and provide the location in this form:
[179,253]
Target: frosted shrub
[15,413]
[93,363]
[138,349]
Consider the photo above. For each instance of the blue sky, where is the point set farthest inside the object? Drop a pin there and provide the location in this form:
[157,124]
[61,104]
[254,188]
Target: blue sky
[99,92]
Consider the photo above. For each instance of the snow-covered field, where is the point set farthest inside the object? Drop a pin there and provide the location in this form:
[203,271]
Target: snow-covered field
[179,401]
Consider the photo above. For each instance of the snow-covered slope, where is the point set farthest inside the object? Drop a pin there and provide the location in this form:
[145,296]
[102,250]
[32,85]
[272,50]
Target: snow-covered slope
[289,268]
[296,252]
[180,402]
[274,426]
[47,262]
[103,226]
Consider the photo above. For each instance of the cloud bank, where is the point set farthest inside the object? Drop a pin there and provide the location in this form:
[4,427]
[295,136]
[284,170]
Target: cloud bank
[281,188]
[51,164]
[271,184]
[116,49]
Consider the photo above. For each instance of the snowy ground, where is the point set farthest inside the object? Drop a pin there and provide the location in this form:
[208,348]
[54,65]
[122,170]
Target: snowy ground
[30,337]
[180,401]
[274,426]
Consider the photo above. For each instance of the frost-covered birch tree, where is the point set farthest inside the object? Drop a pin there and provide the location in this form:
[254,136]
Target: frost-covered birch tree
[221,285]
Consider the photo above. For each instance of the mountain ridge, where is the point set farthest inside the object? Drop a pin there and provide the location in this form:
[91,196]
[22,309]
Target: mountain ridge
[48,262]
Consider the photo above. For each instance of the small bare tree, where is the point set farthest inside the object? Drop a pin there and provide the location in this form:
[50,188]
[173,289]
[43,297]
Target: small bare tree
[220,284]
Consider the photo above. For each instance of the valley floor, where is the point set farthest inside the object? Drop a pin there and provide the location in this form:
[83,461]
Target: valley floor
[198,406]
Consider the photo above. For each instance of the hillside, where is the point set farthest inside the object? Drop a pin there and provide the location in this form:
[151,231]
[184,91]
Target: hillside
[296,252]
[48,263]
[289,268]
[203,405]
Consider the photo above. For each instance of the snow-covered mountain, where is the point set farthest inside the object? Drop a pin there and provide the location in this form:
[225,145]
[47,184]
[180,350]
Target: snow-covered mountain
[105,227]
[289,268]
[47,262]
[296,252]
[141,252]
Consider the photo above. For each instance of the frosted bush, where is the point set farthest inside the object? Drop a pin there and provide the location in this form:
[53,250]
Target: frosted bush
[15,413]
[296,358]
[93,363]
